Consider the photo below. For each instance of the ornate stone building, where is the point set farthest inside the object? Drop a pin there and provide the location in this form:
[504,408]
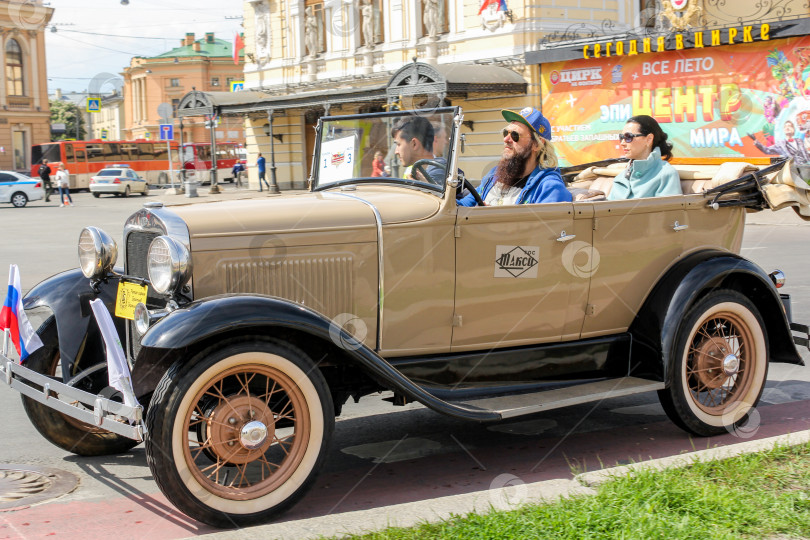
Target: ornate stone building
[24,111]
[109,122]
[205,64]
[308,58]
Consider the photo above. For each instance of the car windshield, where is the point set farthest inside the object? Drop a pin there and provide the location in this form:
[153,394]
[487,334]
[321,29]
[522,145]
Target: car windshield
[408,147]
[110,172]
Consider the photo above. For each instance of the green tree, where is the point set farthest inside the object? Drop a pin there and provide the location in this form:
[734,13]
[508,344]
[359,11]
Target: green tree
[64,112]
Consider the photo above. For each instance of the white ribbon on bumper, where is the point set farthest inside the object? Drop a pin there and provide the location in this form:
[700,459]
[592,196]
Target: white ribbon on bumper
[117,368]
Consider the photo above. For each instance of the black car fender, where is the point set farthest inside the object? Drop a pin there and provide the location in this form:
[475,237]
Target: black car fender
[68,295]
[193,328]
[658,323]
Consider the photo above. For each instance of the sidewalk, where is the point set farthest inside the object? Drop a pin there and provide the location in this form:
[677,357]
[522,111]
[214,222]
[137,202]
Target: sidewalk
[228,192]
[786,216]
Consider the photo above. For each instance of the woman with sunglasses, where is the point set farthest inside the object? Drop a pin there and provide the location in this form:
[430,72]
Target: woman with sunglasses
[645,144]
[527,172]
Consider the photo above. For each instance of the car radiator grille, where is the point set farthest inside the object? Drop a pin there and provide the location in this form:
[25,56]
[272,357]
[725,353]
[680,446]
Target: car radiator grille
[321,283]
[137,249]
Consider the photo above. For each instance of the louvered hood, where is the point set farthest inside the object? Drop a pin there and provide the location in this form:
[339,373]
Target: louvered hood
[302,213]
[319,250]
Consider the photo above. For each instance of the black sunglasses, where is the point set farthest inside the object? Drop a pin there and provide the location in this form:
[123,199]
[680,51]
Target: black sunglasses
[628,137]
[514,134]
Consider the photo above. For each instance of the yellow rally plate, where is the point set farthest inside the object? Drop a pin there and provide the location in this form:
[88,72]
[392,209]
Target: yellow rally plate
[129,296]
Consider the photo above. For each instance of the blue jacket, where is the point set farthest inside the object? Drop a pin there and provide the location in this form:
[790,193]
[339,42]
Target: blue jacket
[260,164]
[651,177]
[543,186]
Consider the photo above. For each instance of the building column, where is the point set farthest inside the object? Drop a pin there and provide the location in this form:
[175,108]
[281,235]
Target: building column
[3,69]
[297,29]
[144,112]
[34,70]
[136,92]
[354,22]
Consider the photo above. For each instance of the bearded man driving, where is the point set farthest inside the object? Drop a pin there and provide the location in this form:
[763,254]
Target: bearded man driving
[527,172]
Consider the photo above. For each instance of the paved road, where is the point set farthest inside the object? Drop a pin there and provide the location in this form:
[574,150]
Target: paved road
[409,454]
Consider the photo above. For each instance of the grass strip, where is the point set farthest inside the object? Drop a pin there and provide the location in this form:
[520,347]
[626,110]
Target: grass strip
[760,495]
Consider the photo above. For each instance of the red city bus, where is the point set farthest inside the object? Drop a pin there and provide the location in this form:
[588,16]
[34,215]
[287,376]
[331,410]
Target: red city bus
[84,159]
[197,161]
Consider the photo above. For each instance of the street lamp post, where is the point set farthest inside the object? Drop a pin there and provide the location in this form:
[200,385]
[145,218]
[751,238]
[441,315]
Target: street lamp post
[180,158]
[213,172]
[273,184]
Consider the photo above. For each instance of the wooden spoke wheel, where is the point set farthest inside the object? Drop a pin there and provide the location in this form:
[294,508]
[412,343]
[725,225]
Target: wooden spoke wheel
[720,365]
[237,436]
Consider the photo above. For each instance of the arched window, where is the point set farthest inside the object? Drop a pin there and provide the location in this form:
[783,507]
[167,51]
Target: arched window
[14,69]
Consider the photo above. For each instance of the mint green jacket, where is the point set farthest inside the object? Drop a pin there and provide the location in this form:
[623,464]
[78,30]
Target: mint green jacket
[651,177]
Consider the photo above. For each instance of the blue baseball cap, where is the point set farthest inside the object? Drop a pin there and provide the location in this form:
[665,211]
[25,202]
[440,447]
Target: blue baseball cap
[532,118]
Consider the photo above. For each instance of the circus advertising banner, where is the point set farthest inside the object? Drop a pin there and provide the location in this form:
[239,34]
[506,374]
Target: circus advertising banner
[750,100]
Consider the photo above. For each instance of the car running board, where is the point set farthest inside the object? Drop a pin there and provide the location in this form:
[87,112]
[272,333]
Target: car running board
[523,404]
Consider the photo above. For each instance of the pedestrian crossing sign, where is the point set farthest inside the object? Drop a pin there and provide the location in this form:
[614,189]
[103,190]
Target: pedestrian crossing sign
[93,105]
[237,86]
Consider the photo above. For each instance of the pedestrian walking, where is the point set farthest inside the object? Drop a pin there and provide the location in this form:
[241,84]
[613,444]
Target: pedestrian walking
[236,172]
[44,173]
[260,165]
[64,186]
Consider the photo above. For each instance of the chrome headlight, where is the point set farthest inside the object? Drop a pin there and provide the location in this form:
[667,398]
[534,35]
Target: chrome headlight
[169,264]
[97,252]
[141,318]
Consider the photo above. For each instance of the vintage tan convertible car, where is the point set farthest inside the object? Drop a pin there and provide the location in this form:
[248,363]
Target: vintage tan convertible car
[249,323]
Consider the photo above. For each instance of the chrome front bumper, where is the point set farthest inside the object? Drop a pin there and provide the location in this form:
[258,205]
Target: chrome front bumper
[95,410]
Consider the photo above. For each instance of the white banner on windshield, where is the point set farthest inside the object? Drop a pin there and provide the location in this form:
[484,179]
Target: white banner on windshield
[337,160]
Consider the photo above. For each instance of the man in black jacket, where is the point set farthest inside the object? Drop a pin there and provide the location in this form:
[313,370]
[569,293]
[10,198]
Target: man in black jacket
[45,173]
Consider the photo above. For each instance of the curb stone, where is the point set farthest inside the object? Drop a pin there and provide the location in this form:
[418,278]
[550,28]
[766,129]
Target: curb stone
[412,513]
[504,498]
[597,478]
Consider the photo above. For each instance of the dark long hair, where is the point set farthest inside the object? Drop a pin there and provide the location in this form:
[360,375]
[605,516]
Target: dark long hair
[649,125]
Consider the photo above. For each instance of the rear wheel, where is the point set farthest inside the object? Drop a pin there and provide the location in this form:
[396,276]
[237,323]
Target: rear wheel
[96,195]
[19,199]
[238,437]
[720,367]
[65,432]
[126,191]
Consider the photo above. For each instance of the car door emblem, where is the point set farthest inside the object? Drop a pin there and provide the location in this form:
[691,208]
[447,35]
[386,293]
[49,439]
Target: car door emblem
[516,261]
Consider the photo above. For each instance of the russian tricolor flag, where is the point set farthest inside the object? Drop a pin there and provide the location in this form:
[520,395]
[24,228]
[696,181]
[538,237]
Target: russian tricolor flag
[12,316]
[501,5]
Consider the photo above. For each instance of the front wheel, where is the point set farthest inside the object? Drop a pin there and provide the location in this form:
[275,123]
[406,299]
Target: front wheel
[64,431]
[238,437]
[720,365]
[127,191]
[145,191]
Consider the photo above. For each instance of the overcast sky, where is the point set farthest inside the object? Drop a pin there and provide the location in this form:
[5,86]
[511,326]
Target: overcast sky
[78,55]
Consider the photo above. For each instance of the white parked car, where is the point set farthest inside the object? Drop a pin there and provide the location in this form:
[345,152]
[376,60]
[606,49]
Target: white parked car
[18,189]
[119,180]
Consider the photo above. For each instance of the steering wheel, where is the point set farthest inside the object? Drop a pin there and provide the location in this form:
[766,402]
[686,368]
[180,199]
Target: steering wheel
[477,196]
[419,167]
